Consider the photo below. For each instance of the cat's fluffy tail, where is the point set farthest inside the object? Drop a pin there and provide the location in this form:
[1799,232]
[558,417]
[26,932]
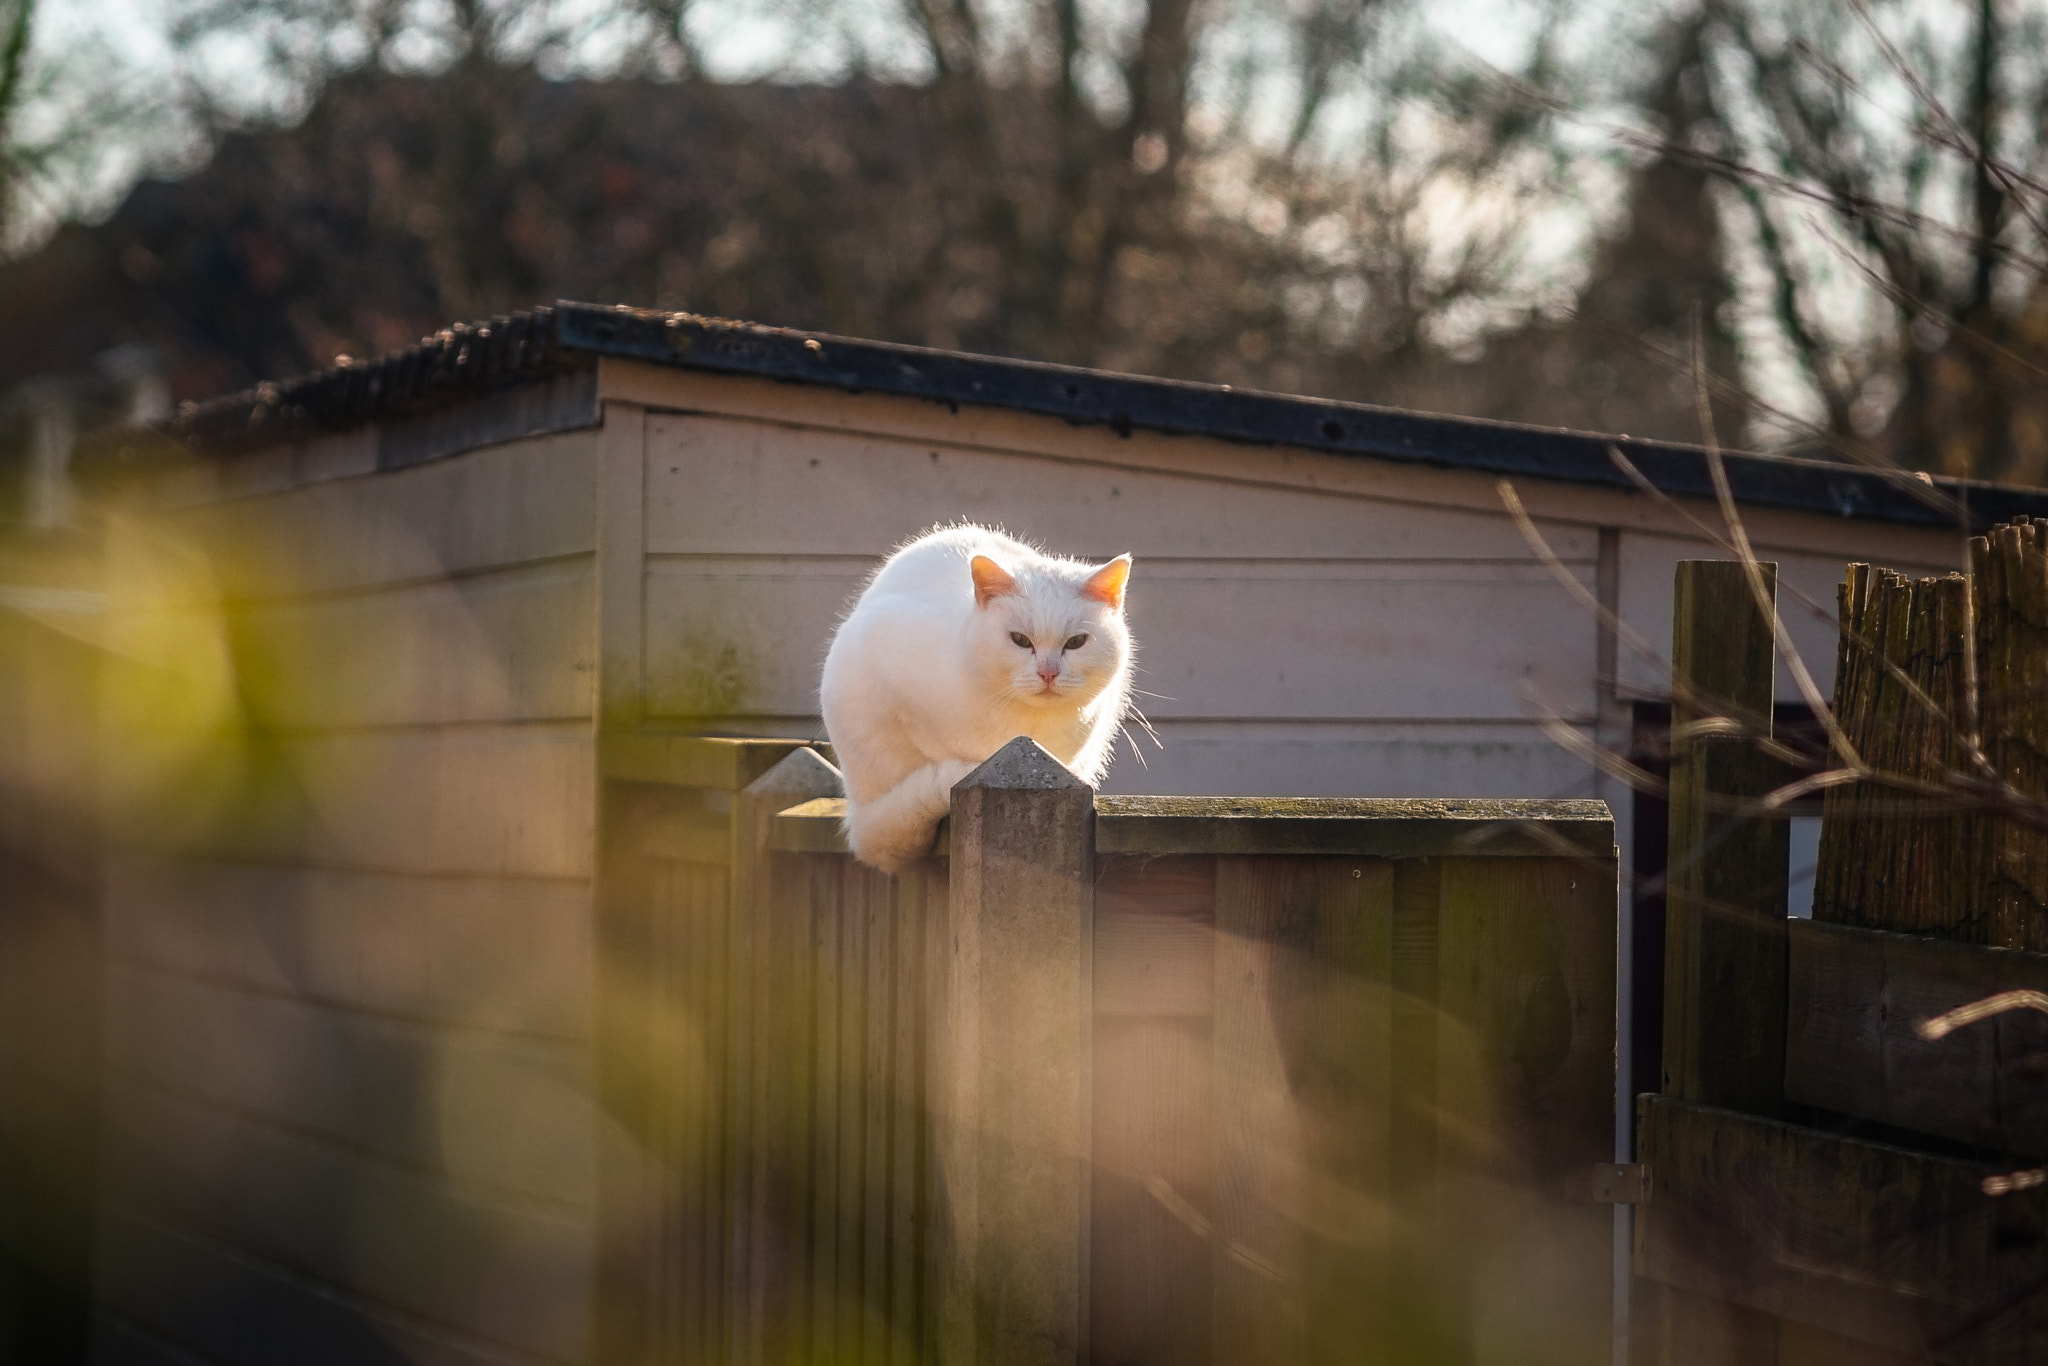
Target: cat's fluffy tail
[895,830]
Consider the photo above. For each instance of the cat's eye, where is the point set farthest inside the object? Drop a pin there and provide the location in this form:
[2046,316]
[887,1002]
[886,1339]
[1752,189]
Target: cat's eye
[1076,642]
[1020,640]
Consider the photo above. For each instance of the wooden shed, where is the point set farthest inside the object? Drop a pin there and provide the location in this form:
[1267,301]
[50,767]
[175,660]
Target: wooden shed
[430,605]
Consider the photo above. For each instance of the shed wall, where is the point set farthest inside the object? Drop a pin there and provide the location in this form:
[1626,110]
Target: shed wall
[1308,624]
[49,972]
[350,987]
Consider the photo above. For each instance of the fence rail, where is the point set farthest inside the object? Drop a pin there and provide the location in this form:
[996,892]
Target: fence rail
[1829,1183]
[1123,1079]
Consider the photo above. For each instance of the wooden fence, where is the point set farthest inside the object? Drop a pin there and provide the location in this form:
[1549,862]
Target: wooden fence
[1112,1079]
[1829,1184]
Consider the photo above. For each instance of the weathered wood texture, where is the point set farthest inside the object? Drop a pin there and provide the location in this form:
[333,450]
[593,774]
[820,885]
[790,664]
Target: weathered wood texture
[1877,1244]
[1370,827]
[519,503]
[1890,859]
[1341,1102]
[1154,1278]
[2009,579]
[1808,571]
[1942,685]
[1767,1242]
[1853,1047]
[827,1091]
[1724,983]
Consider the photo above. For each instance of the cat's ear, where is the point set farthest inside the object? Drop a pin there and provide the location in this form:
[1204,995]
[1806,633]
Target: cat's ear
[991,580]
[1106,585]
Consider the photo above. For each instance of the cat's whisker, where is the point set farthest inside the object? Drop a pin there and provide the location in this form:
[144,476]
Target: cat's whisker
[1133,714]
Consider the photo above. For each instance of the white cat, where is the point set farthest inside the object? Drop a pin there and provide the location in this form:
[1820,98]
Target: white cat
[962,641]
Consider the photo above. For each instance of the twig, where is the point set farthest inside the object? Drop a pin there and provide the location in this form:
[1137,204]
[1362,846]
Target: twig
[1941,1026]
[1753,571]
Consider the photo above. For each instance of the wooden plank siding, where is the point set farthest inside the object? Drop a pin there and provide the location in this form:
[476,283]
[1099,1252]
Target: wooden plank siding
[50,991]
[513,644]
[492,1112]
[509,954]
[349,1011]
[493,507]
[499,1271]
[155,1272]
[740,604]
[858,475]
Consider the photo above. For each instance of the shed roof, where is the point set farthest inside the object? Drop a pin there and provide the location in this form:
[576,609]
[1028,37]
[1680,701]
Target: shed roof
[471,360]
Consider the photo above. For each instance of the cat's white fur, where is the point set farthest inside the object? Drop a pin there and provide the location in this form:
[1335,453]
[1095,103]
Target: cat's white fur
[924,678]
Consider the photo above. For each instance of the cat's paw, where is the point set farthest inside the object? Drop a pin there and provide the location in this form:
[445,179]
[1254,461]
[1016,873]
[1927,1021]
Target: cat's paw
[948,772]
[895,848]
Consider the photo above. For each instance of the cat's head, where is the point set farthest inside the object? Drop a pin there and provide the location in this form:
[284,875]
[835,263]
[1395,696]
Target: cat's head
[1050,633]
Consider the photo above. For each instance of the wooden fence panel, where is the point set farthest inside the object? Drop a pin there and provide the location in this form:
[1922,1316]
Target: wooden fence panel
[1154,1127]
[1874,1243]
[1857,1000]
[667,1041]
[837,1218]
[776,1063]
[913,1214]
[1777,1242]
[1030,1102]
[1303,968]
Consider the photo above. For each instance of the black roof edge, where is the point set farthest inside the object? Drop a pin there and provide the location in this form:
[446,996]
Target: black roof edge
[516,349]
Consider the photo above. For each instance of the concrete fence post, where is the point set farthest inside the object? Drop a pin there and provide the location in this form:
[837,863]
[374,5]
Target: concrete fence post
[1010,1063]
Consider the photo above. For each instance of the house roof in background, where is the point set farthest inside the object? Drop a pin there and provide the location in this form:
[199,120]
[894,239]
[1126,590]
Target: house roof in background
[474,360]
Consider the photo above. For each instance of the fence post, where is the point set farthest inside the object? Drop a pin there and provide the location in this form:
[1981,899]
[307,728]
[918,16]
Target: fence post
[1010,1064]
[1724,974]
[770,1067]
[1725,937]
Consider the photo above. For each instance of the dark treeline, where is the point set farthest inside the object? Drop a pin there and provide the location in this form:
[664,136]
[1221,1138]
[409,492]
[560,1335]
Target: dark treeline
[1043,187]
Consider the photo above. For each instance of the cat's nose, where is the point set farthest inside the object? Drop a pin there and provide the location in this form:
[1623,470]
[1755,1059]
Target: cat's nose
[1048,669]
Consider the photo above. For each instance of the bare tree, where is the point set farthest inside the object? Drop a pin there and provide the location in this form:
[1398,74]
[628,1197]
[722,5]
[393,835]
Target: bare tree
[1887,167]
[17,23]
[1027,179]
